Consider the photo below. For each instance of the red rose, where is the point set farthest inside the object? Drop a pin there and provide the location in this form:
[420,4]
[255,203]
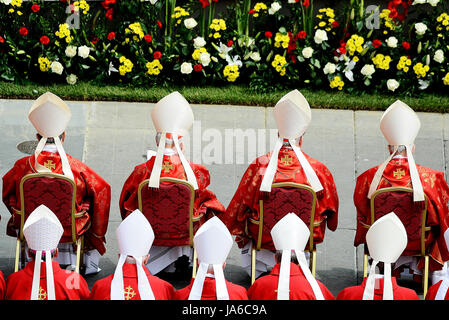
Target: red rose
[23,31]
[111,36]
[302,35]
[148,38]
[94,40]
[2,40]
[406,45]
[251,11]
[109,13]
[159,24]
[230,43]
[197,67]
[335,24]
[204,3]
[377,43]
[35,7]
[342,50]
[157,55]
[45,40]
[268,34]
[306,3]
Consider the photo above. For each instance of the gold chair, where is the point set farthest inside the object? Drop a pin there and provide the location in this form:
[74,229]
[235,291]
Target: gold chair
[56,191]
[309,215]
[184,197]
[423,229]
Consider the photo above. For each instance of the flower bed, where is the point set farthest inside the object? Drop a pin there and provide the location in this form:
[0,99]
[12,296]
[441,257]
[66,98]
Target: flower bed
[267,45]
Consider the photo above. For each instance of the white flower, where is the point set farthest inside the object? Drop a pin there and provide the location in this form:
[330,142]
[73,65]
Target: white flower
[199,42]
[320,36]
[392,84]
[275,7]
[70,51]
[255,56]
[291,1]
[392,42]
[186,68]
[329,68]
[307,52]
[71,79]
[368,70]
[190,23]
[350,64]
[420,28]
[439,56]
[56,67]
[83,51]
[204,58]
[111,69]
[433,3]
[236,60]
[7,2]
[418,2]
[223,50]
[423,85]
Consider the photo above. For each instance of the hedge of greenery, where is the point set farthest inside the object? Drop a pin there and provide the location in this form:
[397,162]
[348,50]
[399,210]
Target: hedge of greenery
[277,44]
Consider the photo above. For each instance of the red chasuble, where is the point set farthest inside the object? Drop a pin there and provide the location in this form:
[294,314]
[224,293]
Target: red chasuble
[245,203]
[2,286]
[68,284]
[397,174]
[235,291]
[162,290]
[171,167]
[265,288]
[399,293]
[433,290]
[93,195]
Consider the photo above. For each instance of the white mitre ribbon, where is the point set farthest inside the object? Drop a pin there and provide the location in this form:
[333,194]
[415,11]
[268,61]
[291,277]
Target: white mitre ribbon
[368,293]
[66,170]
[220,282]
[418,192]
[35,287]
[442,290]
[268,177]
[157,167]
[118,285]
[284,275]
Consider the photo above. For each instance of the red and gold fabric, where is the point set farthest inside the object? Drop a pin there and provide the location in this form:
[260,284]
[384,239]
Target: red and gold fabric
[396,174]
[356,292]
[102,288]
[433,291]
[235,291]
[245,203]
[93,196]
[206,203]
[68,285]
[265,287]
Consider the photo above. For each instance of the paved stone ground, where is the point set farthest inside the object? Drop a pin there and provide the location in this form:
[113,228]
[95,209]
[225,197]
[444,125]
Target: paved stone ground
[113,137]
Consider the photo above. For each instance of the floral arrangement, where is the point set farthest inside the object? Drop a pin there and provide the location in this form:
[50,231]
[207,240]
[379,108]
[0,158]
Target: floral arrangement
[267,45]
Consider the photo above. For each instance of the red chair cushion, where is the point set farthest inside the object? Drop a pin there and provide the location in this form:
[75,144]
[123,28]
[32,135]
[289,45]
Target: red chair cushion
[168,210]
[280,202]
[401,203]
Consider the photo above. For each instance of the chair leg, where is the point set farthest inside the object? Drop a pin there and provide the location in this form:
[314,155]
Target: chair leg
[16,264]
[365,265]
[426,275]
[194,264]
[253,264]
[78,255]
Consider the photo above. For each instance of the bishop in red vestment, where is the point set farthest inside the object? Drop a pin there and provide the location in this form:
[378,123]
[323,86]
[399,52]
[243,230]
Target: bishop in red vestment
[102,288]
[356,292]
[265,288]
[235,291]
[68,284]
[2,286]
[433,290]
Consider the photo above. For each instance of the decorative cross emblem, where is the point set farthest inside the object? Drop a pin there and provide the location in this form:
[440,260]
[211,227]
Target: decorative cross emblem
[129,293]
[398,162]
[287,160]
[167,166]
[399,173]
[50,165]
[42,294]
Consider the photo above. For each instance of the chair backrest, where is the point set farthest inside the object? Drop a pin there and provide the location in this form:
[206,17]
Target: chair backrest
[285,197]
[413,216]
[169,210]
[55,191]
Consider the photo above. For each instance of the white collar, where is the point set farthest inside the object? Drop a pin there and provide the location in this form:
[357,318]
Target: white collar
[398,156]
[50,147]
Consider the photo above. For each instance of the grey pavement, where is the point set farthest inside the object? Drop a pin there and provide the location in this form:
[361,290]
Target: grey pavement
[112,138]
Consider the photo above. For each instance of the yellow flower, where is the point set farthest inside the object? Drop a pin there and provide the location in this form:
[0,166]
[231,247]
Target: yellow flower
[337,83]
[381,61]
[403,63]
[218,25]
[196,54]
[44,64]
[19,13]
[135,28]
[279,63]
[354,44]
[16,3]
[446,79]
[83,5]
[64,32]
[154,67]
[420,70]
[126,65]
[281,40]
[231,72]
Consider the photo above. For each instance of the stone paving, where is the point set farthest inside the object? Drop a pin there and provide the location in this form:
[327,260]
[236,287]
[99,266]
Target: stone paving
[112,138]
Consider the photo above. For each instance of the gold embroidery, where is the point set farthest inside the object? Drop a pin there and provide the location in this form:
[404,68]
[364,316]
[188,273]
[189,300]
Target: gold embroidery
[42,294]
[399,173]
[398,162]
[287,160]
[167,166]
[129,293]
[50,165]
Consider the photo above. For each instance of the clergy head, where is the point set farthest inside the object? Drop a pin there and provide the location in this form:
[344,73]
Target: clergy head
[293,115]
[172,118]
[135,237]
[400,126]
[386,240]
[212,243]
[290,234]
[42,231]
